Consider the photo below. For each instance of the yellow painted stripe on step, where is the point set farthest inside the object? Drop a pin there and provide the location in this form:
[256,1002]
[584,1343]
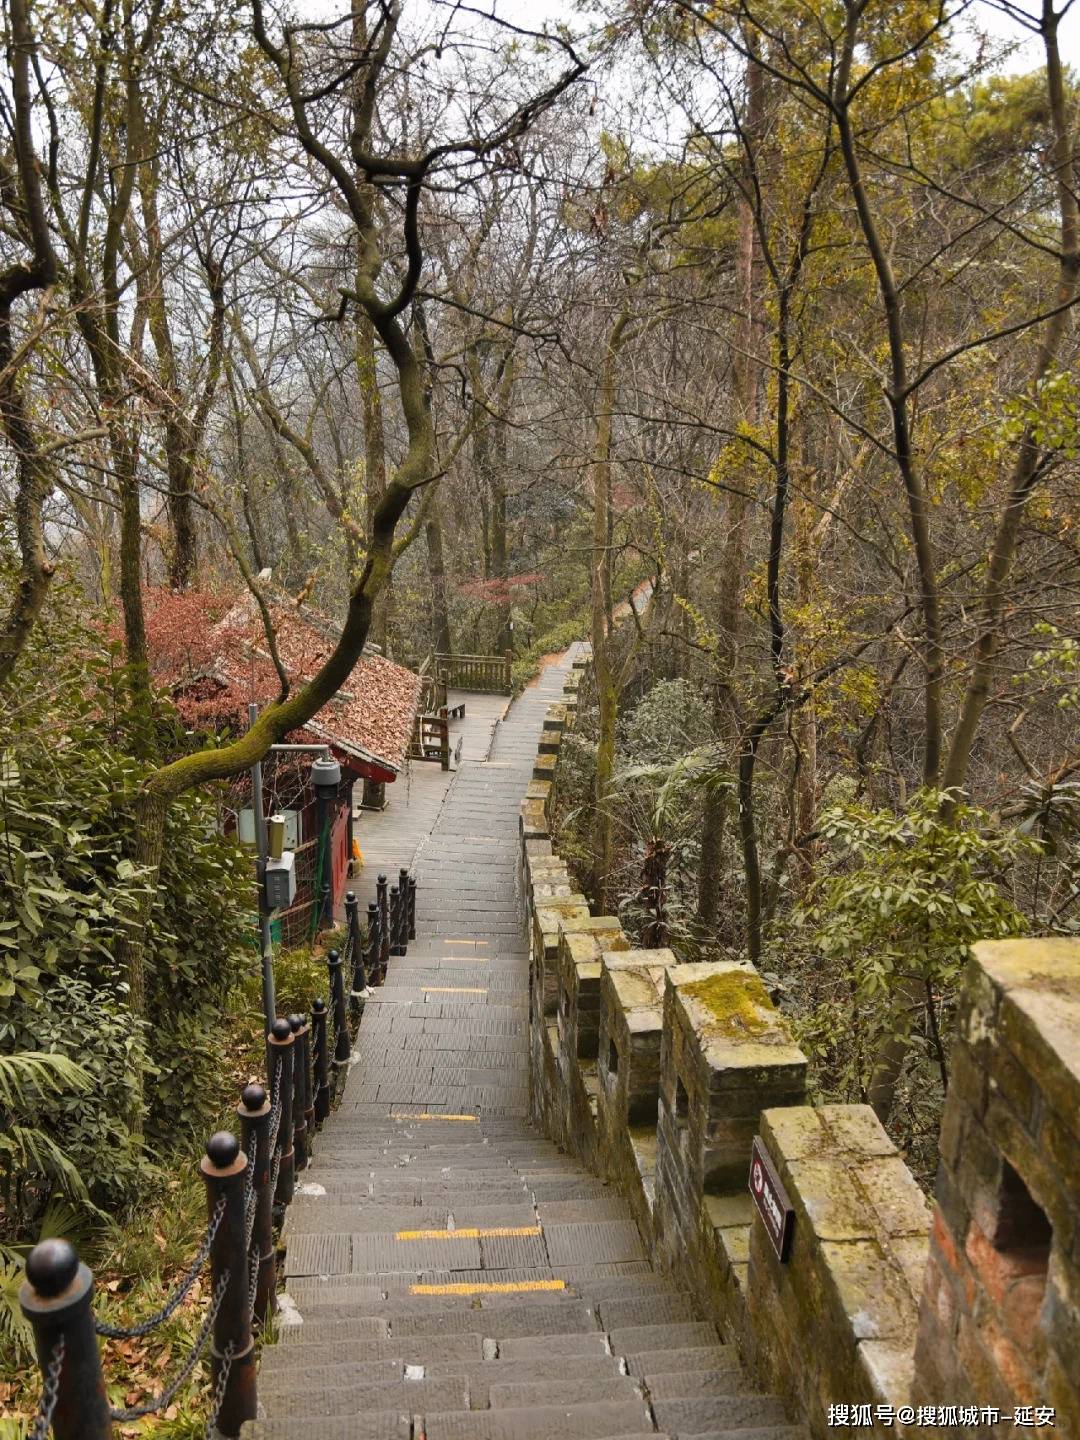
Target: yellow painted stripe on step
[500,1287]
[473,1118]
[455,989]
[469,1232]
[464,942]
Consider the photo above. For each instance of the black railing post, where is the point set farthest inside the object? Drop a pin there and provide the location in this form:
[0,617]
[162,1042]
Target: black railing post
[358,982]
[342,1046]
[382,896]
[57,1298]
[299,1094]
[232,1350]
[280,1045]
[403,910]
[412,907]
[326,914]
[255,1116]
[374,943]
[304,1041]
[395,920]
[322,1060]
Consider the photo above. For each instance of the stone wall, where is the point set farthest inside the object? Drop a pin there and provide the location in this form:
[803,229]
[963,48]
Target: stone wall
[1000,1322]
[835,1323]
[659,1075]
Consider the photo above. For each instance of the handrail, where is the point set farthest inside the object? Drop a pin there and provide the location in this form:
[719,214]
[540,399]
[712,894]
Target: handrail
[277,1125]
[485,673]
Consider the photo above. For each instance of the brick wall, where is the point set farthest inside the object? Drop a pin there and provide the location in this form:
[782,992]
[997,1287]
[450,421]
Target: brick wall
[1000,1319]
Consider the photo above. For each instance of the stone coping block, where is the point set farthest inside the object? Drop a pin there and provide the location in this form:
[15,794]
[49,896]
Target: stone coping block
[726,1055]
[544,767]
[737,1031]
[555,719]
[580,949]
[840,1316]
[550,742]
[534,820]
[549,917]
[631,1026]
[1037,989]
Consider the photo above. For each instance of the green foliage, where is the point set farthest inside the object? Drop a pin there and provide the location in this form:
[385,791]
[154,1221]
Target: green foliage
[300,976]
[554,640]
[1049,411]
[889,931]
[79,1020]
[670,719]
[68,890]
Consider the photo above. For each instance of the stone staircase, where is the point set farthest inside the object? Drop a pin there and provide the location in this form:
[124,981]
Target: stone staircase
[451,1275]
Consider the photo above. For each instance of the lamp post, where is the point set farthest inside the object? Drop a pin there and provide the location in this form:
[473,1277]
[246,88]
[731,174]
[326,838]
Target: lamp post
[265,941]
[325,788]
[325,777]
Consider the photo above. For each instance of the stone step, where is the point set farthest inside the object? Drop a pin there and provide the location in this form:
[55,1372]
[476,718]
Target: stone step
[314,1296]
[644,1308]
[479,1375]
[510,1322]
[595,1343]
[560,1389]
[419,1350]
[692,1384]
[719,1413]
[636,1339]
[332,1217]
[602,1421]
[692,1358]
[618,1287]
[406,1396]
[374,1425]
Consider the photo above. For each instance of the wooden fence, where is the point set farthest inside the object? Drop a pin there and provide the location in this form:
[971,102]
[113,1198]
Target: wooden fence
[490,673]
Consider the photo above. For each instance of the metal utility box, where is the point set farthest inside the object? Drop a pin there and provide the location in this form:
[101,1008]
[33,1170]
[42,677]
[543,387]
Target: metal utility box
[279,882]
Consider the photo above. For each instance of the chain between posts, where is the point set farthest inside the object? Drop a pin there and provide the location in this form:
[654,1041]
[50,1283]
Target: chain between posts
[146,1327]
[57,1296]
[162,1401]
[50,1392]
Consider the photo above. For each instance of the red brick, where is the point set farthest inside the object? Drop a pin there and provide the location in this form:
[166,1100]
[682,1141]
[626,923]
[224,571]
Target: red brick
[999,1269]
[1010,1365]
[943,1240]
[1020,1311]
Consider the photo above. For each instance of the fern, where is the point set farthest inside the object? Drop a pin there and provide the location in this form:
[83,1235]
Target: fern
[36,1072]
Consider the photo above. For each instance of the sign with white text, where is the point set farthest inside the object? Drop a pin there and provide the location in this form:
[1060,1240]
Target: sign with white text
[771,1199]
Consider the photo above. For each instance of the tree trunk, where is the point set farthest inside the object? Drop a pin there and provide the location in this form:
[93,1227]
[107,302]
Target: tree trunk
[804,720]
[603,661]
[744,390]
[440,610]
[1027,466]
[374,454]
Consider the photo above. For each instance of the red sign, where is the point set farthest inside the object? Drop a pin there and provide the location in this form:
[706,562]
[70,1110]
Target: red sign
[771,1199]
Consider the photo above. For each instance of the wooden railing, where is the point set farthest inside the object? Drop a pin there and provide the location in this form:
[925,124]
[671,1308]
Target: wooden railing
[431,738]
[489,673]
[432,688]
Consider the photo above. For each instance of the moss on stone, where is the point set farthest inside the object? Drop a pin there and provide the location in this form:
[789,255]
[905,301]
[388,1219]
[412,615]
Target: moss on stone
[736,1000]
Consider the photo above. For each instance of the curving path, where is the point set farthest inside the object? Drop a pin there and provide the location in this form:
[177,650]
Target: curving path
[450,1274]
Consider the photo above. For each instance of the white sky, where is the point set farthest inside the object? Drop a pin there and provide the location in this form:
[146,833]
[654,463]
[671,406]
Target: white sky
[535,12]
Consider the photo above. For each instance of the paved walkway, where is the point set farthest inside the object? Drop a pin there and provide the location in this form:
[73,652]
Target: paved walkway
[451,1275]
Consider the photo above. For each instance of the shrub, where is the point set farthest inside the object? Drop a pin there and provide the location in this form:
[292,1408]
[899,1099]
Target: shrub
[94,1027]
[888,934]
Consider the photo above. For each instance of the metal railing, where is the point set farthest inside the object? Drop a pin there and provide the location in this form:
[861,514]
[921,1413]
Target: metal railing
[489,673]
[249,1183]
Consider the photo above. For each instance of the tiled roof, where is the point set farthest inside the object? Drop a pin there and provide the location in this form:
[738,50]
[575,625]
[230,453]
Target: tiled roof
[210,651]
